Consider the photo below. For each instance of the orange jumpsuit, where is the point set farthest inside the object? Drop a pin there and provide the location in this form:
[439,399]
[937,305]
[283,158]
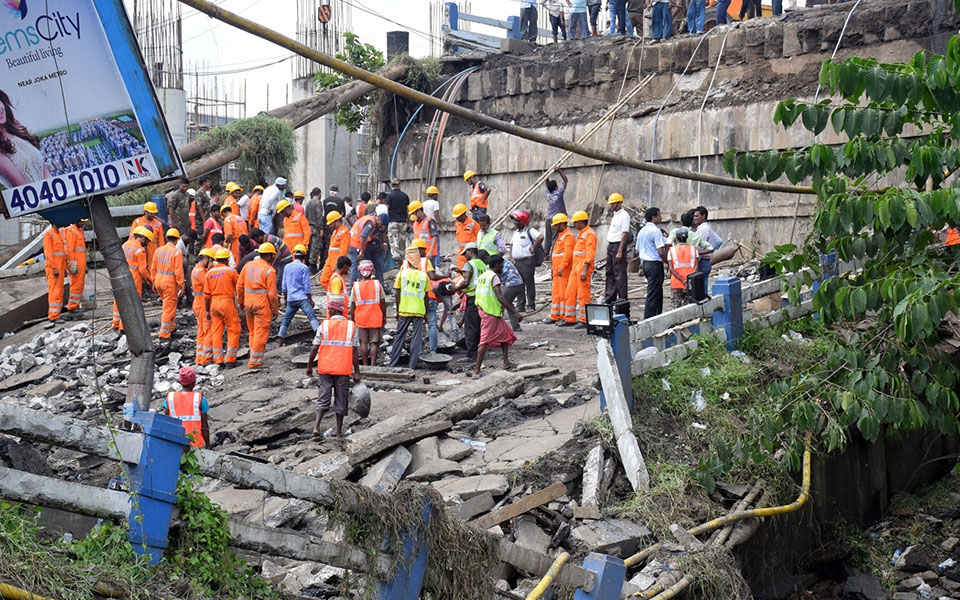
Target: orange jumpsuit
[156,227]
[578,292]
[75,245]
[222,287]
[167,274]
[466,233]
[561,264]
[253,208]
[339,244]
[257,294]
[200,297]
[54,259]
[234,226]
[137,262]
[296,230]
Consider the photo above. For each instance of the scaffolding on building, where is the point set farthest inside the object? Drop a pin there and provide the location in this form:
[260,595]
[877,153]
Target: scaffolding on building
[159,28]
[214,101]
[327,37]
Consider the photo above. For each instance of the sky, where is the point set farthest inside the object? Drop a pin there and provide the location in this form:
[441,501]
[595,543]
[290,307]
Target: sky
[223,48]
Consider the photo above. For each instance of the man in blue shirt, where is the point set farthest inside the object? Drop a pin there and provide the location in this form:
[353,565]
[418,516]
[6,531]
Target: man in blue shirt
[650,248]
[296,291]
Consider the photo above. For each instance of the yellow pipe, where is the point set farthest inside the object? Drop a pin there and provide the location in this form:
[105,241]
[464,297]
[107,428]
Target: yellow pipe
[346,68]
[13,593]
[649,593]
[674,589]
[747,514]
[552,573]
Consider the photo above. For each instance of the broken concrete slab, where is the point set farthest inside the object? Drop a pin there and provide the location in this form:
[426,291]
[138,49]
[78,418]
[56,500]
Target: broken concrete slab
[273,424]
[468,509]
[35,374]
[280,512]
[388,471]
[633,463]
[236,501]
[615,536]
[435,469]
[468,487]
[689,542]
[425,451]
[589,512]
[454,449]
[527,534]
[592,472]
[48,388]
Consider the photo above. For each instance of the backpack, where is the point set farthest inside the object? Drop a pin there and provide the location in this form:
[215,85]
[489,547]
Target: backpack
[539,253]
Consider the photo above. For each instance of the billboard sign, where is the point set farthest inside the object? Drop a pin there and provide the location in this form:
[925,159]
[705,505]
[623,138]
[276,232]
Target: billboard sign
[78,114]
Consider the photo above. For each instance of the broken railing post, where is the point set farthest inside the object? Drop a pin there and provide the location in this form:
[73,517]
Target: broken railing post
[610,575]
[153,483]
[140,380]
[620,342]
[731,318]
[407,582]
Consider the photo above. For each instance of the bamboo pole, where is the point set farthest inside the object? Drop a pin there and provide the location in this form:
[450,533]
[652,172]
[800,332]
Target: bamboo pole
[471,115]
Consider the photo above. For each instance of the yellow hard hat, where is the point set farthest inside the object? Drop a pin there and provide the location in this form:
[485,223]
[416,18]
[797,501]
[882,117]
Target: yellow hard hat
[208,252]
[414,207]
[221,253]
[418,243]
[173,232]
[614,198]
[258,188]
[333,215]
[459,209]
[432,190]
[468,174]
[267,248]
[299,194]
[226,207]
[150,207]
[559,218]
[144,232]
[231,186]
[299,249]
[580,215]
[282,205]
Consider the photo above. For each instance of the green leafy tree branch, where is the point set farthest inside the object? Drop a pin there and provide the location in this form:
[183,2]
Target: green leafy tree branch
[365,56]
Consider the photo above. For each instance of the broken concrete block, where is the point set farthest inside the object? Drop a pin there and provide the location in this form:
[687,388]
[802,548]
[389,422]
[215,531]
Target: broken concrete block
[592,472]
[949,544]
[608,537]
[468,509]
[589,512]
[689,542]
[454,449]
[911,583]
[468,487]
[732,491]
[435,469]
[527,534]
[388,471]
[915,559]
[863,586]
[424,451]
[236,501]
[280,512]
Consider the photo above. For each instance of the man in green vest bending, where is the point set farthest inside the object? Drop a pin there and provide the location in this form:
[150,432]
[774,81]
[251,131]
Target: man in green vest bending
[489,239]
[471,272]
[494,330]
[411,287]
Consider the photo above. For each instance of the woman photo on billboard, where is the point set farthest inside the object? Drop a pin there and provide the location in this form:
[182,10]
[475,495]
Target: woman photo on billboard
[21,161]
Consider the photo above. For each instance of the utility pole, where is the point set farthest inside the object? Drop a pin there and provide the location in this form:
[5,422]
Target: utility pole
[140,379]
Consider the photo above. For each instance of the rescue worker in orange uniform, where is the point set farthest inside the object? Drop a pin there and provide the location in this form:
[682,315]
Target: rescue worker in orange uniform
[192,193]
[151,222]
[234,193]
[362,230]
[296,229]
[682,259]
[467,231]
[190,407]
[578,286]
[135,251]
[201,307]
[233,228]
[479,194]
[561,265]
[167,274]
[338,284]
[254,206]
[339,246]
[953,237]
[425,228]
[55,266]
[257,297]
[222,287]
[335,348]
[368,306]
[75,245]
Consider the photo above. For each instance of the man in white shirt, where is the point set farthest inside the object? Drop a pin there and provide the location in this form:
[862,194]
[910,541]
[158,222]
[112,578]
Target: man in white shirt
[618,237]
[523,251]
[703,229]
[652,253]
[268,205]
[431,206]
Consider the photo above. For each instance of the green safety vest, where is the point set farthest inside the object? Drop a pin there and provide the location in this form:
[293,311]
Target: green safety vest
[413,286]
[486,299]
[488,242]
[478,267]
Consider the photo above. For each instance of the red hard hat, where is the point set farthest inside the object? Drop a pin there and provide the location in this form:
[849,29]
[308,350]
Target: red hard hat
[521,216]
[187,376]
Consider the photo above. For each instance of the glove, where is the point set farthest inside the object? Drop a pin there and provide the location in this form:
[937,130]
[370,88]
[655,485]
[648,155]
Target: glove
[72,267]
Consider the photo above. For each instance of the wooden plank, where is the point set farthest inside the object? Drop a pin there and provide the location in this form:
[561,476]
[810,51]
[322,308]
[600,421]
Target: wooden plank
[551,492]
